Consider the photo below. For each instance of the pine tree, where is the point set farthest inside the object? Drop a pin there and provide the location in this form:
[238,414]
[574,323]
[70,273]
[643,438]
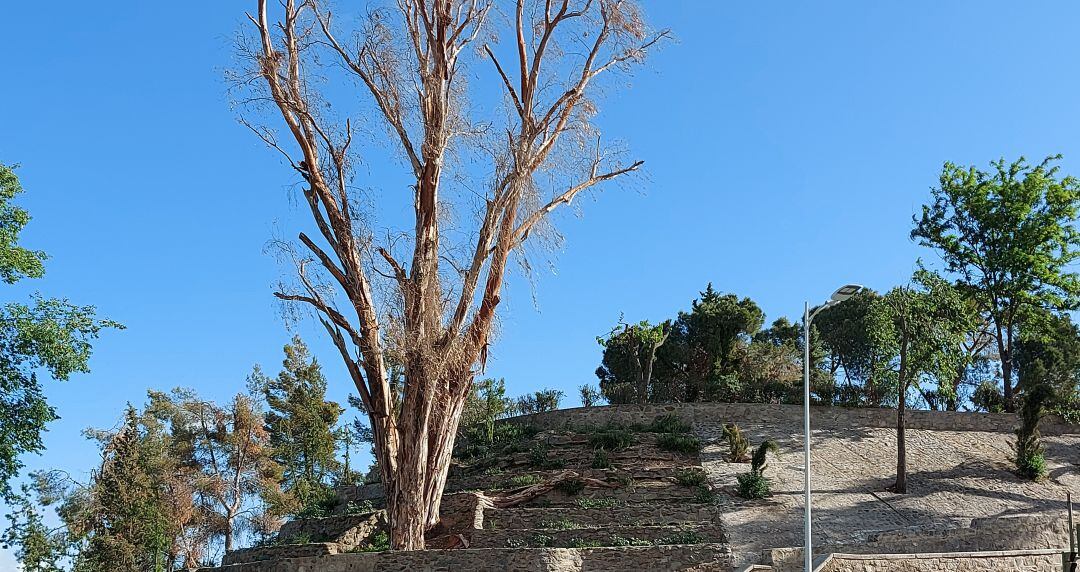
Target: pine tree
[301,425]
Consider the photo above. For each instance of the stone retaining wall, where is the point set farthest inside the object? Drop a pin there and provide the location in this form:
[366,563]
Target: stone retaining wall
[1013,561]
[821,417]
[699,558]
[991,535]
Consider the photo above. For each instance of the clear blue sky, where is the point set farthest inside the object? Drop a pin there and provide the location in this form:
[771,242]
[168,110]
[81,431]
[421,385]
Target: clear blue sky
[787,146]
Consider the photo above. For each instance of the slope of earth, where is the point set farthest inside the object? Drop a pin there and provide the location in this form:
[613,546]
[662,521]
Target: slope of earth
[954,478]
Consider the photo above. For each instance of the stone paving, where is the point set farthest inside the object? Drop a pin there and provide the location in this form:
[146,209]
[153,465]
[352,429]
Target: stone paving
[953,477]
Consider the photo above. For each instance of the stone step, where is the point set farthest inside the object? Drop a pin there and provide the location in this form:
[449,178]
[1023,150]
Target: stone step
[274,553]
[635,493]
[675,558]
[647,514]
[591,537]
[514,479]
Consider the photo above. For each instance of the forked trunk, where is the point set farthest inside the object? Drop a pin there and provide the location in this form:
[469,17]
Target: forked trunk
[414,489]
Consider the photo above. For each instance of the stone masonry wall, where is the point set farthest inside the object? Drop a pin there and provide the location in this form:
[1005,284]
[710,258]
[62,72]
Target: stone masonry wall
[1017,561]
[821,417]
[699,558]
[989,535]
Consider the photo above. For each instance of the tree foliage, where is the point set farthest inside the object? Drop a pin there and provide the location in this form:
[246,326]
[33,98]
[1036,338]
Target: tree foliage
[47,335]
[1008,235]
[301,424]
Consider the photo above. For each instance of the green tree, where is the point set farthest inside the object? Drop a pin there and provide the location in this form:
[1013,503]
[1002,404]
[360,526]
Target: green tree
[37,547]
[928,322]
[46,335]
[715,327]
[629,357]
[301,424]
[858,345]
[125,520]
[1009,237]
[1048,363]
[487,403]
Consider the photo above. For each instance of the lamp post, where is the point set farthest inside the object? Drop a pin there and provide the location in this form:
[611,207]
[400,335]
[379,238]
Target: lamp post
[840,295]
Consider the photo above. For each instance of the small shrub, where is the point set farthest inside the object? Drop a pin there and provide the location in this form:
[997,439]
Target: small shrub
[754,486]
[516,543]
[705,495]
[679,443]
[493,471]
[622,541]
[542,540]
[538,458]
[591,503]
[682,537]
[601,460]
[669,423]
[302,538]
[690,477]
[522,481]
[321,506]
[561,524]
[738,446]
[1031,466]
[579,543]
[354,507]
[572,486]
[612,439]
[380,542]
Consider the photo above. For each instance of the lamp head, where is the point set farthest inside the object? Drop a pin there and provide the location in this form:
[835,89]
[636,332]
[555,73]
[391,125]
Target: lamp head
[845,292]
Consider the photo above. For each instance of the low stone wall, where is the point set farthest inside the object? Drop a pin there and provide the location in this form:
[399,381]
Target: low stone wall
[821,417]
[989,535]
[348,531]
[604,536]
[698,557]
[654,514]
[1013,561]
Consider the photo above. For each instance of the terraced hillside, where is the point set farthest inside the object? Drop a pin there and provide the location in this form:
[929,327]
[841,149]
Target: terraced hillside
[608,497]
[653,488]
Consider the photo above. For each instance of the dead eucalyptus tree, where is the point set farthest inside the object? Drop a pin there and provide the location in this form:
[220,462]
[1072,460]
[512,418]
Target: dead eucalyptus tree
[423,301]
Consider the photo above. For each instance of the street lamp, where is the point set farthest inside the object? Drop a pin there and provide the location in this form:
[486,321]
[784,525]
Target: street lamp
[840,295]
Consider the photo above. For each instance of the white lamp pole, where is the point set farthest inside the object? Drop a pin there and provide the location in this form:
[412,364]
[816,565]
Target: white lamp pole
[839,296]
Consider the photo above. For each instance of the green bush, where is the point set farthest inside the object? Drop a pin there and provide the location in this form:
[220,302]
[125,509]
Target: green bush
[612,439]
[621,541]
[542,540]
[705,495]
[601,460]
[517,481]
[572,486]
[682,537]
[679,443]
[754,486]
[561,524]
[321,506]
[579,543]
[354,507]
[592,503]
[1032,466]
[690,477]
[738,446]
[380,542]
[669,423]
[538,458]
